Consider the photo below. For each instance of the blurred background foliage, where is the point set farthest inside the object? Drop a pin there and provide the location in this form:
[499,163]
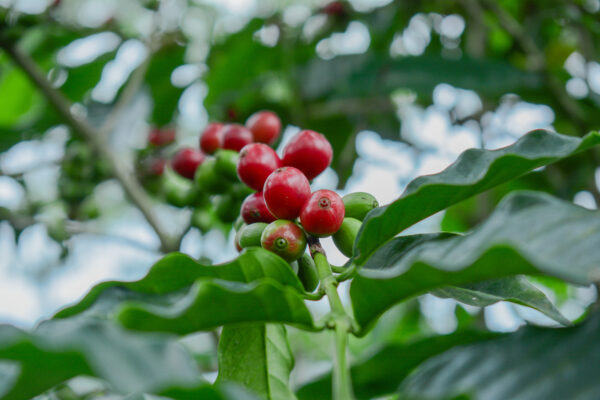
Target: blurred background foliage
[400,88]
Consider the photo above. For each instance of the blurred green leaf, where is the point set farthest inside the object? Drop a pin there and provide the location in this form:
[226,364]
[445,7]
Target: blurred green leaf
[475,171]
[158,77]
[516,289]
[529,233]
[61,349]
[530,364]
[382,372]
[258,357]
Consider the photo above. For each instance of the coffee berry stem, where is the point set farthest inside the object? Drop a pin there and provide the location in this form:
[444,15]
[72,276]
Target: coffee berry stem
[342,322]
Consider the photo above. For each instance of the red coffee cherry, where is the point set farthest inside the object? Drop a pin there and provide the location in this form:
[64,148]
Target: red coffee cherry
[284,238]
[161,137]
[254,209]
[323,213]
[308,151]
[186,160]
[211,138]
[236,136]
[265,126]
[157,166]
[285,192]
[257,162]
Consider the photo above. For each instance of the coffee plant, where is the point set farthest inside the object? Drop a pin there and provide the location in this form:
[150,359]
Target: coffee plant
[280,116]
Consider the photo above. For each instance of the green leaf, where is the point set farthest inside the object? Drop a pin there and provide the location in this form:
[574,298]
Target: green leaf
[205,391]
[211,303]
[258,357]
[475,171]
[381,373]
[61,349]
[530,364]
[20,102]
[164,94]
[177,271]
[529,233]
[516,289]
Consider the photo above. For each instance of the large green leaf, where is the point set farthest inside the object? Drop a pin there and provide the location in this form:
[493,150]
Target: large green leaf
[475,171]
[516,289]
[177,271]
[258,357]
[529,233]
[531,364]
[61,349]
[211,303]
[381,373]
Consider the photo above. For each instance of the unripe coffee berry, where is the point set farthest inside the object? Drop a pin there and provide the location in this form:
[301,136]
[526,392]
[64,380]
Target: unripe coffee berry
[323,213]
[211,138]
[186,161]
[236,136]
[308,151]
[257,162]
[284,238]
[254,209]
[265,126]
[285,192]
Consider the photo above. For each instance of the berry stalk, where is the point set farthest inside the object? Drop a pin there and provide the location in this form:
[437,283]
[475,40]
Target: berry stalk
[342,384]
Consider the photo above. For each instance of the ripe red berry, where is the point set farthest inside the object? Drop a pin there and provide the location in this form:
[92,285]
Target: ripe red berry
[308,151]
[284,238]
[323,213]
[254,209]
[257,162]
[236,136]
[186,160]
[265,126]
[157,166]
[211,138]
[161,137]
[285,192]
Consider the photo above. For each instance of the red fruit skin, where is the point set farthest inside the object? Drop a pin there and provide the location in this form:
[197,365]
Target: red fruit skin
[285,192]
[308,151]
[254,209]
[265,126]
[236,136]
[257,162]
[186,160]
[323,213]
[211,138]
[293,244]
[161,137]
[157,166]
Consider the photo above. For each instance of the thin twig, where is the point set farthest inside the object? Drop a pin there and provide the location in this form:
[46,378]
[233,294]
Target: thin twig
[122,173]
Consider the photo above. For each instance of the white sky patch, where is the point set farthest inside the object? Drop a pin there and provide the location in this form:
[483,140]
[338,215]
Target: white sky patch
[585,199]
[296,14]
[85,50]
[577,88]
[439,313]
[12,194]
[452,26]
[593,76]
[501,317]
[115,73]
[575,65]
[47,251]
[355,40]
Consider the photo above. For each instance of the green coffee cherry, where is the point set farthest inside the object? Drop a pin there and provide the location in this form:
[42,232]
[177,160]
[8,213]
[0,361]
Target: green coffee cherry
[284,238]
[240,190]
[307,272]
[208,180]
[226,163]
[227,207]
[179,191]
[358,204]
[238,223]
[204,219]
[250,234]
[345,236]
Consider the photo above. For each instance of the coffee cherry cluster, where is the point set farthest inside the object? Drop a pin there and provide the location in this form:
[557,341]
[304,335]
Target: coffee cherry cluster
[283,211]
